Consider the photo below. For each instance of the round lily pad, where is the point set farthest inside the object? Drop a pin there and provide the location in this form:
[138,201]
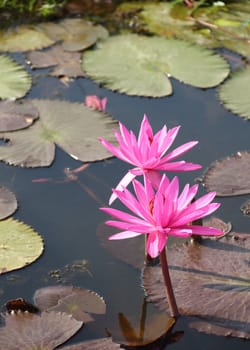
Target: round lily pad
[235,93]
[15,81]
[15,115]
[20,245]
[140,65]
[8,202]
[229,176]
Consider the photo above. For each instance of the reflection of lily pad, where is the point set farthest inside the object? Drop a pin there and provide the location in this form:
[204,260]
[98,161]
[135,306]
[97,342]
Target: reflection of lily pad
[229,176]
[15,81]
[235,93]
[72,126]
[29,331]
[23,38]
[140,65]
[211,281]
[20,245]
[76,33]
[8,203]
[16,115]
[98,344]
[77,302]
[67,63]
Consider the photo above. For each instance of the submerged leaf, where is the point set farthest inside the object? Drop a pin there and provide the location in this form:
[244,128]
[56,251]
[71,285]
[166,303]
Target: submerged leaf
[15,81]
[16,115]
[67,63]
[20,245]
[77,34]
[210,281]
[139,65]
[235,93]
[77,302]
[8,202]
[229,176]
[72,126]
[29,331]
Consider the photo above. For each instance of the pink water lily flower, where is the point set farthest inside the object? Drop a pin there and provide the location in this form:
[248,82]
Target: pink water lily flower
[161,213]
[148,152]
[95,102]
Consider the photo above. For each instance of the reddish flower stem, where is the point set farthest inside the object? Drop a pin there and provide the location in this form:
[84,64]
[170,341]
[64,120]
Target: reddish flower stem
[174,312]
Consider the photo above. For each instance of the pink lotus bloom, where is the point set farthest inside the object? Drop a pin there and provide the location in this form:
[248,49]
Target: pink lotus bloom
[95,102]
[162,212]
[148,153]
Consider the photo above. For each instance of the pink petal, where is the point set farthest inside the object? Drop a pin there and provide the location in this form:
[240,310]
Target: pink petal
[125,181]
[124,235]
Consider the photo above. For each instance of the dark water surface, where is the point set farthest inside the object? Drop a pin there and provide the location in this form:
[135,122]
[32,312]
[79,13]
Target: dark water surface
[67,217]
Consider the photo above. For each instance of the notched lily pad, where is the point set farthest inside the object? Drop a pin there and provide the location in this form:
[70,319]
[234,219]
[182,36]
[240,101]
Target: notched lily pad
[66,63]
[29,331]
[229,176]
[23,38]
[15,82]
[15,115]
[20,245]
[79,303]
[235,93]
[72,126]
[8,202]
[140,65]
[210,281]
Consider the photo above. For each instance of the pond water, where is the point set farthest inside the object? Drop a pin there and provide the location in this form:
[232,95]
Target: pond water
[66,212]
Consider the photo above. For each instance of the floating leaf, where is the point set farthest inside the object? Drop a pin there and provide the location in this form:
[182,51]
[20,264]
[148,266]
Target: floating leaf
[139,65]
[20,245]
[67,63]
[98,344]
[229,176]
[76,33]
[235,93]
[77,302]
[15,81]
[29,331]
[209,26]
[72,126]
[8,202]
[16,115]
[211,281]
[23,38]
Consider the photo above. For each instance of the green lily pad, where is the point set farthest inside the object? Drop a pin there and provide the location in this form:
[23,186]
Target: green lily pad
[229,176]
[23,38]
[77,34]
[235,93]
[29,331]
[211,281]
[72,126]
[15,115]
[139,65]
[20,245]
[15,81]
[8,202]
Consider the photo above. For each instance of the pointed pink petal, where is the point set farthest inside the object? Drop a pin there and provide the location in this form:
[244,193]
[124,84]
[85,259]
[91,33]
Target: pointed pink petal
[125,181]
[124,235]
[179,151]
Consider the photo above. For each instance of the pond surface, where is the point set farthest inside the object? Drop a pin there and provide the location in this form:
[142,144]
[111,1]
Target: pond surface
[66,212]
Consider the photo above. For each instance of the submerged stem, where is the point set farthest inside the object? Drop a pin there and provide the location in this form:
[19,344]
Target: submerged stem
[168,285]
